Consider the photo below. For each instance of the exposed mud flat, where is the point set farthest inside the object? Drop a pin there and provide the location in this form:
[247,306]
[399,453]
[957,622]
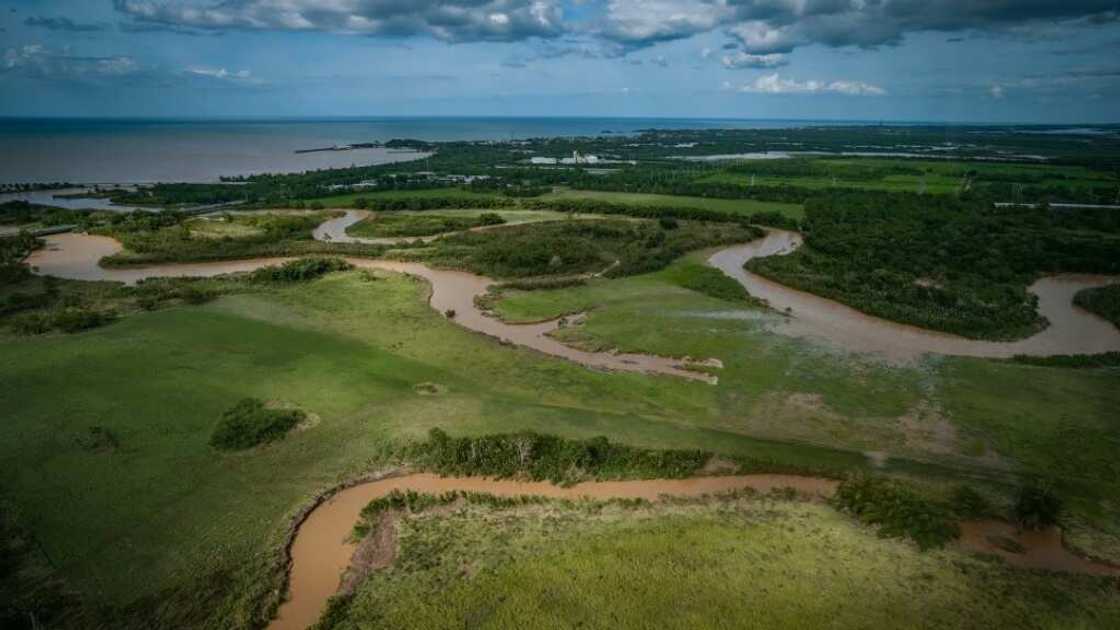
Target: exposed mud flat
[321,552]
[1072,330]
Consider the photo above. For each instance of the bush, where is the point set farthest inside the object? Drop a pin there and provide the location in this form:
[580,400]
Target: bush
[74,319]
[897,510]
[1037,507]
[968,503]
[301,270]
[30,324]
[250,423]
[546,457]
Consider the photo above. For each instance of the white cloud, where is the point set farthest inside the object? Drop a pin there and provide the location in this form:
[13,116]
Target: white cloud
[775,84]
[448,20]
[996,91]
[740,59]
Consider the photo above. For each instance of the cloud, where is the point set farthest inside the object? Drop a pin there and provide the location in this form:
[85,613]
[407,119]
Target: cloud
[775,84]
[779,26]
[638,23]
[38,62]
[243,77]
[996,92]
[62,24]
[451,21]
[740,59]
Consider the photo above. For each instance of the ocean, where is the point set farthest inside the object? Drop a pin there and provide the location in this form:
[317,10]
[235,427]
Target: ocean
[88,151]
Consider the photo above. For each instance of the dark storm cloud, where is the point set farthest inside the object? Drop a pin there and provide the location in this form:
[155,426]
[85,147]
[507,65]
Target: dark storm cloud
[451,21]
[62,24]
[778,26]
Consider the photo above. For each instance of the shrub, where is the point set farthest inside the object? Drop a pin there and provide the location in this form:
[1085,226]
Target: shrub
[897,510]
[301,269]
[541,457]
[449,313]
[250,422]
[668,223]
[74,319]
[1036,507]
[968,503]
[30,324]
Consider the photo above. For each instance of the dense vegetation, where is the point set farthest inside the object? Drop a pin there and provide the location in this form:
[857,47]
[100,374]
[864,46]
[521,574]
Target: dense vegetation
[406,225]
[897,510]
[22,212]
[548,457]
[251,423]
[709,281]
[13,249]
[301,270]
[943,263]
[150,237]
[572,247]
[1104,301]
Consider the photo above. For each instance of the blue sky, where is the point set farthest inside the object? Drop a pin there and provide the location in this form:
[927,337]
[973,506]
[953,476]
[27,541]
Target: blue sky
[957,60]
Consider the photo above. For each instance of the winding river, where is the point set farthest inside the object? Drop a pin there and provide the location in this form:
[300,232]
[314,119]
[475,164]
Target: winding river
[76,256]
[1072,330]
[320,553]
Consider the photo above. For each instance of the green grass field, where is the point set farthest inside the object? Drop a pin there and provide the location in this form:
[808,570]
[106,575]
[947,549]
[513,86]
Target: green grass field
[731,206]
[941,176]
[347,200]
[390,224]
[741,563]
[199,531]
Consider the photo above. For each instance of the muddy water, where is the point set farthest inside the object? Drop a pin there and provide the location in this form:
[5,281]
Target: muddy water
[76,256]
[1072,330]
[320,553]
[1040,549]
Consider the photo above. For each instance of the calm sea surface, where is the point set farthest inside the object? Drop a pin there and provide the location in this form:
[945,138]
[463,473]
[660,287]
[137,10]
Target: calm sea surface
[87,151]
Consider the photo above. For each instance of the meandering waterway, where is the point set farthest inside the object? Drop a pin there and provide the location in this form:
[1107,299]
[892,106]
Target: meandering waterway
[1072,329]
[321,552]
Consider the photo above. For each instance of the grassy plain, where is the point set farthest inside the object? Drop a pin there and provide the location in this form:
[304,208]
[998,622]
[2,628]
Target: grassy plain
[731,206]
[940,176]
[746,563]
[199,533]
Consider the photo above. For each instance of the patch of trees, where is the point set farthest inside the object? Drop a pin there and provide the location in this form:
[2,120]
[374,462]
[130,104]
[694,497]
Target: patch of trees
[1104,301]
[546,457]
[897,510]
[1103,359]
[384,204]
[422,225]
[67,319]
[19,212]
[251,423]
[301,270]
[939,262]
[13,249]
[709,281]
[572,247]
[687,213]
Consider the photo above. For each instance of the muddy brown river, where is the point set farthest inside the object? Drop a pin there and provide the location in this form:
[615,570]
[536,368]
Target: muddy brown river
[76,256]
[321,553]
[1072,330]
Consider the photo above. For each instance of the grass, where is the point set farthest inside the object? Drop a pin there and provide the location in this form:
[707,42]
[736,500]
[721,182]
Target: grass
[430,222]
[198,533]
[731,206]
[742,562]
[941,176]
[347,200]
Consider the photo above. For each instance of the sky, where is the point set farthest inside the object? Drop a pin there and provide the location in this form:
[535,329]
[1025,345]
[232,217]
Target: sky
[912,60]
